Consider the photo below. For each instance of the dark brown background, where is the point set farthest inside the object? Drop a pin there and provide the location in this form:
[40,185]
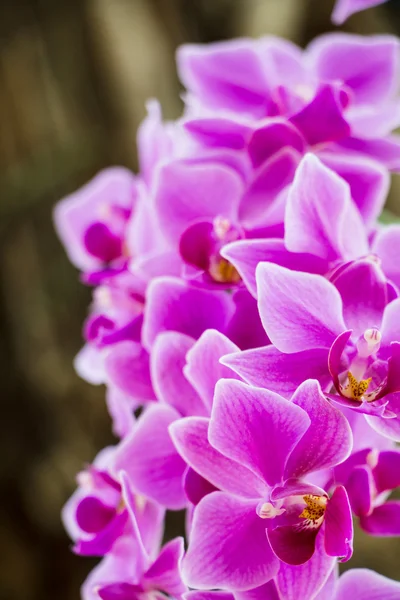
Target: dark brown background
[74,76]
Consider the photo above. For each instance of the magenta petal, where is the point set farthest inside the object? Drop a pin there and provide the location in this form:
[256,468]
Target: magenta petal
[384,520]
[164,573]
[261,204]
[196,244]
[190,438]
[278,372]
[120,407]
[321,120]
[196,487]
[92,514]
[306,580]
[186,192]
[118,591]
[363,288]
[245,328]
[363,584]
[271,138]
[369,182]
[174,305]
[387,471]
[339,525]
[168,358]
[208,595]
[218,132]
[228,547]
[389,428]
[75,213]
[228,74]
[391,323]
[203,367]
[359,488]
[291,545]
[327,442]
[155,469]
[293,308]
[101,544]
[268,591]
[246,254]
[252,425]
[127,367]
[368,66]
[335,356]
[386,246]
[322,228]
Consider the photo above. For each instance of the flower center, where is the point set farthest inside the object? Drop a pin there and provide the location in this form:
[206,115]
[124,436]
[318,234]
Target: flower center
[315,509]
[355,389]
[223,271]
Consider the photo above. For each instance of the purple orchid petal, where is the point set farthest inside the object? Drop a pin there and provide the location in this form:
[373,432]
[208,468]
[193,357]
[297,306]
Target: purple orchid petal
[196,487]
[228,547]
[92,514]
[322,228]
[322,120]
[363,288]
[168,358]
[155,469]
[127,368]
[364,584]
[263,203]
[386,472]
[293,307]
[384,520]
[327,442]
[386,246]
[250,425]
[197,244]
[335,357]
[228,74]
[391,324]
[270,138]
[367,66]
[119,591]
[293,546]
[245,328]
[101,544]
[143,558]
[121,408]
[339,525]
[74,215]
[190,437]
[268,591]
[359,488]
[388,427]
[305,581]
[278,372]
[369,182]
[154,141]
[173,305]
[164,573]
[219,132]
[295,487]
[203,368]
[385,150]
[180,200]
[246,254]
[208,595]
[89,364]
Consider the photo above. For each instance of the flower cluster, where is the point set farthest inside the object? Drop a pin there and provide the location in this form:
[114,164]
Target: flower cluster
[246,323]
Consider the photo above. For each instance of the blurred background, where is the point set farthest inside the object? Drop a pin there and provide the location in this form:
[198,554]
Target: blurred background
[74,77]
